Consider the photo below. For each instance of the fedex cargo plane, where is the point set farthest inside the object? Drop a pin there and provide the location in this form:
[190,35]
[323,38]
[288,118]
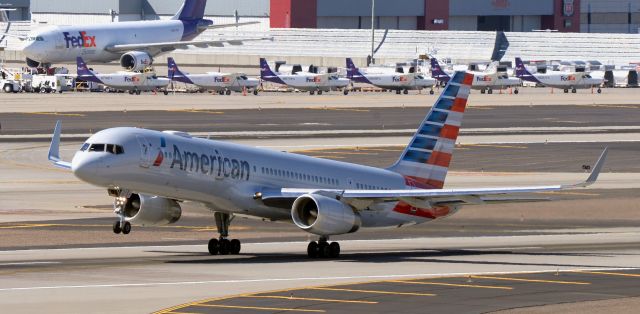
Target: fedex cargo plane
[485,81]
[135,44]
[223,83]
[128,81]
[563,80]
[305,81]
[400,82]
[150,172]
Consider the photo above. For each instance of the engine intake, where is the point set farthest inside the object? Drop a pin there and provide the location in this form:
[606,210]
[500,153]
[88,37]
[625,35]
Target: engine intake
[136,61]
[146,210]
[322,215]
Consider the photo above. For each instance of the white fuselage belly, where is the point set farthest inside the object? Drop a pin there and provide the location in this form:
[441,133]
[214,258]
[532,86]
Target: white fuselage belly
[132,81]
[213,81]
[225,176]
[58,47]
[482,81]
[566,81]
[401,83]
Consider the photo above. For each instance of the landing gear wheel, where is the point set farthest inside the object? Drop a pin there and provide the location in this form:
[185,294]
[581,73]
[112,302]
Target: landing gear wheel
[345,92]
[255,92]
[334,250]
[398,92]
[214,246]
[323,249]
[126,227]
[234,246]
[490,91]
[312,249]
[116,227]
[228,92]
[599,90]
[319,92]
[566,91]
[138,92]
[431,92]
[131,92]
[166,92]
[482,91]
[311,92]
[223,249]
[405,92]
[573,91]
[516,91]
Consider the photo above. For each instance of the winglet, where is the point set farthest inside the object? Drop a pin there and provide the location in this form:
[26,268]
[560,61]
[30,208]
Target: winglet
[54,149]
[595,172]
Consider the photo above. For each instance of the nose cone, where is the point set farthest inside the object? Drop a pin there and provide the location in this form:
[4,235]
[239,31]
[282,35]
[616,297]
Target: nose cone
[88,167]
[29,50]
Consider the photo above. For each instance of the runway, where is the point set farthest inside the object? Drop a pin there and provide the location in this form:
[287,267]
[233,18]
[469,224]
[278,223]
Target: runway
[58,252]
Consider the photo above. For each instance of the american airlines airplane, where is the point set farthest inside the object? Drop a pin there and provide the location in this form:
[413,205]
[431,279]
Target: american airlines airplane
[485,81]
[399,82]
[223,83]
[563,80]
[151,172]
[134,82]
[305,81]
[135,44]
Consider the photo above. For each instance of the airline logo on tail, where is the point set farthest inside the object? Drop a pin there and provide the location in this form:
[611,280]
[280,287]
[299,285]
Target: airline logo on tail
[82,41]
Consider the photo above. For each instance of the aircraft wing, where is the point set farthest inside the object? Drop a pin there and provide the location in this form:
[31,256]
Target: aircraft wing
[231,25]
[168,46]
[54,149]
[22,38]
[423,198]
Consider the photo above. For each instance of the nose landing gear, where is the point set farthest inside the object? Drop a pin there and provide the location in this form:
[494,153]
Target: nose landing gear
[222,245]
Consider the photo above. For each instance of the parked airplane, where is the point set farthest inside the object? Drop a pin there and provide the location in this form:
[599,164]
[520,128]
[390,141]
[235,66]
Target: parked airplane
[400,82]
[223,83]
[305,81]
[485,81]
[563,80]
[135,44]
[150,172]
[134,82]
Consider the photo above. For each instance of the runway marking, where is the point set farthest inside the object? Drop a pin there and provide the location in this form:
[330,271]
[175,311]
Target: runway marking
[339,109]
[196,111]
[496,146]
[259,308]
[433,283]
[306,299]
[374,291]
[612,106]
[533,280]
[607,273]
[58,114]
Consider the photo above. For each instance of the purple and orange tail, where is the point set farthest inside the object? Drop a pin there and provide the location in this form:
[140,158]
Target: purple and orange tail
[425,162]
[84,73]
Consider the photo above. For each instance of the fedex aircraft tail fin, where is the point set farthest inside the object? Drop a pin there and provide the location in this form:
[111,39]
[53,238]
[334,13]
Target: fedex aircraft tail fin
[265,69]
[425,162]
[174,72]
[84,72]
[191,10]
[521,70]
[437,72]
[351,69]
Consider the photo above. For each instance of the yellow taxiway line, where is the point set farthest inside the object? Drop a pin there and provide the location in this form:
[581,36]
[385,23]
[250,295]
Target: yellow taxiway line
[259,308]
[374,291]
[532,280]
[433,283]
[307,299]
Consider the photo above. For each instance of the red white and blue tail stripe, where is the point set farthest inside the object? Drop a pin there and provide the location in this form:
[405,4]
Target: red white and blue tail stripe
[425,162]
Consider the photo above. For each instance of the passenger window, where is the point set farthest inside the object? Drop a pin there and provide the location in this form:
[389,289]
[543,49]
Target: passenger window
[84,147]
[97,148]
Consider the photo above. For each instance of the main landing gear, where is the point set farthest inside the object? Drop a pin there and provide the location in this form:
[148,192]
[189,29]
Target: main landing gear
[223,246]
[323,248]
[120,225]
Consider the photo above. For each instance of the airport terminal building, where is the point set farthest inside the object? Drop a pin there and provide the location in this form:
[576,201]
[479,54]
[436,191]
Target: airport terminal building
[587,16]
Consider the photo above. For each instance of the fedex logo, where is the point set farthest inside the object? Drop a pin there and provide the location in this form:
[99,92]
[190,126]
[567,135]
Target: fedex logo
[483,78]
[313,80]
[567,77]
[399,78]
[221,79]
[82,41]
[133,79]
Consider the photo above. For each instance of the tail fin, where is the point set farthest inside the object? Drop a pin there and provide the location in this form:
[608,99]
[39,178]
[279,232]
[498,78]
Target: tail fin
[84,72]
[437,72]
[191,10]
[351,69]
[425,162]
[174,72]
[521,70]
[267,75]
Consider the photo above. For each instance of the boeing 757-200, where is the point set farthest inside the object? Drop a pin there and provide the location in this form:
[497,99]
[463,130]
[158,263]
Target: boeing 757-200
[150,172]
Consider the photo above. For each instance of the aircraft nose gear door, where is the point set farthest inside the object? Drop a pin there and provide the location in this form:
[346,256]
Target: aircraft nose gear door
[145,152]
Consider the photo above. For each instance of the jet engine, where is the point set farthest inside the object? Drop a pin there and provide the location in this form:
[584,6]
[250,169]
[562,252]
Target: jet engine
[147,210]
[135,61]
[323,215]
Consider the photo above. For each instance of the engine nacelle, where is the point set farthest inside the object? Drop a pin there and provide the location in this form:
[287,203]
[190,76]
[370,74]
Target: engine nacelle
[324,215]
[136,61]
[146,210]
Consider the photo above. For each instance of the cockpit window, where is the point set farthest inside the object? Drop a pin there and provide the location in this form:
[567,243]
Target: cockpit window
[84,147]
[109,148]
[96,148]
[35,38]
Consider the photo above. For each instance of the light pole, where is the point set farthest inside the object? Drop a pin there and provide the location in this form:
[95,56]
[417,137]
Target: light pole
[373,33]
